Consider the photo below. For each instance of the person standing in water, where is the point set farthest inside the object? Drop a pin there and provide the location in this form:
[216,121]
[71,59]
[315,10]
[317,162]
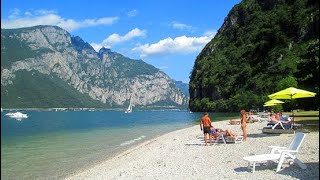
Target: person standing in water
[205,125]
[244,123]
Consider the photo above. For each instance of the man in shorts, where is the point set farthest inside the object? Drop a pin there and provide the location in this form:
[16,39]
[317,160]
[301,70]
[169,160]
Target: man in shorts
[205,125]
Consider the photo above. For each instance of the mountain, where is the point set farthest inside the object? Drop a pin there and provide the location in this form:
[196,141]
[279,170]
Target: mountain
[184,87]
[44,66]
[262,47]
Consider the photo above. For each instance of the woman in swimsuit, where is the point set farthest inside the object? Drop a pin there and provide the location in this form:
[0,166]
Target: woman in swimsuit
[244,124]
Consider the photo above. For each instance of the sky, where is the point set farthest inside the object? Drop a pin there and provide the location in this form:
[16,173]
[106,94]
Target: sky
[168,34]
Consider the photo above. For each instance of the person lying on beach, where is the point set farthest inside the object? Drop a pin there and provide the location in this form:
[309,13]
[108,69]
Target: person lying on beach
[217,131]
[252,117]
[234,121]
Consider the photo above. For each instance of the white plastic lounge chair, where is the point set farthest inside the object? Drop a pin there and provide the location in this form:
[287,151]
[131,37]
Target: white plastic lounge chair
[225,139]
[220,137]
[276,124]
[283,125]
[238,139]
[280,154]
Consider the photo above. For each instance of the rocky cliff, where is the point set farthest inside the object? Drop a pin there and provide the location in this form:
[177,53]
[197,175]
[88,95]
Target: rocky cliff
[48,54]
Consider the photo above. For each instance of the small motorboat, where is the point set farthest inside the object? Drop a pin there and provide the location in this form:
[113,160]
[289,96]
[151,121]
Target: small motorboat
[17,115]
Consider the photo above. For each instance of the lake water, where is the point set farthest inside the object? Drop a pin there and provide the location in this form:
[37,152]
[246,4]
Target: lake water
[52,145]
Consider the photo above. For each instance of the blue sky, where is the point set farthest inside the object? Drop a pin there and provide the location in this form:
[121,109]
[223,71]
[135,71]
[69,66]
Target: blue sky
[168,34]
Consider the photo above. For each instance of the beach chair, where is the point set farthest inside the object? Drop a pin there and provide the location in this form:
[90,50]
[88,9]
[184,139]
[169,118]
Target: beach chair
[220,137]
[280,154]
[274,125]
[236,140]
[228,139]
[281,124]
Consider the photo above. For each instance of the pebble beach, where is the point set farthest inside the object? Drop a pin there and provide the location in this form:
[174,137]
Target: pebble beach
[182,155]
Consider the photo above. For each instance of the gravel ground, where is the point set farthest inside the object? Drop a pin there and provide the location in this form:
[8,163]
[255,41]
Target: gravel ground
[182,155]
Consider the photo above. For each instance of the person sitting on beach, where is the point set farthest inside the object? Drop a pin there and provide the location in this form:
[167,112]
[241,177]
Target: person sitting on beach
[278,116]
[284,117]
[253,118]
[274,119]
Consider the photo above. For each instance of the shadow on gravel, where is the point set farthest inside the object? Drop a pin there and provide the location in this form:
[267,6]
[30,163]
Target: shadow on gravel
[242,170]
[261,135]
[270,165]
[311,173]
[195,144]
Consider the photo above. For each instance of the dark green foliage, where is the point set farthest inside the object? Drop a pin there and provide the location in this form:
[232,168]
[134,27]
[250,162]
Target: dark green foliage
[263,46]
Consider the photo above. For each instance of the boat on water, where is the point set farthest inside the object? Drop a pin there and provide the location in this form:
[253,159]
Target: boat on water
[17,115]
[129,109]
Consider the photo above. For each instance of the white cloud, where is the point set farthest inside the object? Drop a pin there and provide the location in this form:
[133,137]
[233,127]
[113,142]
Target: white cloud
[116,38]
[45,17]
[178,45]
[210,33]
[133,13]
[181,26]
[14,13]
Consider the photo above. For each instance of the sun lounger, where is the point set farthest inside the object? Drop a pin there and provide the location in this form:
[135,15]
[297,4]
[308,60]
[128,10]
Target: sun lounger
[220,137]
[238,139]
[279,154]
[274,125]
[281,124]
[228,139]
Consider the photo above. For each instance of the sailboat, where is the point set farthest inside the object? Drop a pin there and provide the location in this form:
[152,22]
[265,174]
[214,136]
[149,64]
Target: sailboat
[129,109]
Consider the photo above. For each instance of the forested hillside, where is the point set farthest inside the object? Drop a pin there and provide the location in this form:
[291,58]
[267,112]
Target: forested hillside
[262,47]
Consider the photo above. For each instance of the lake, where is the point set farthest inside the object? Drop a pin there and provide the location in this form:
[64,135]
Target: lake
[52,145]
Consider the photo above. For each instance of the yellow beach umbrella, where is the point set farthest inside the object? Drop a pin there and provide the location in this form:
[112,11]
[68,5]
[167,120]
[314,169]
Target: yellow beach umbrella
[291,93]
[269,104]
[274,101]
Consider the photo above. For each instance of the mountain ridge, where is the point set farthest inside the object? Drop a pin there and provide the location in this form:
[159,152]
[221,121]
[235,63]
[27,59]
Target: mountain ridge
[104,78]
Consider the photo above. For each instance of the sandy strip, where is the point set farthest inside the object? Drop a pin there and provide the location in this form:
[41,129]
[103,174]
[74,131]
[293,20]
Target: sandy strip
[182,155]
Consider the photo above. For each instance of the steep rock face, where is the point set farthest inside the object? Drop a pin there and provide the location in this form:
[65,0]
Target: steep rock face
[106,76]
[262,47]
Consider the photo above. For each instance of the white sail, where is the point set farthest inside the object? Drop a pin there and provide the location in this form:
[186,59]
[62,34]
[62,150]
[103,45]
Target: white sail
[129,109]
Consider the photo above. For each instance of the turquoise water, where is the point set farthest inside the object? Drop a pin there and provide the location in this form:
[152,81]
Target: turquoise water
[52,145]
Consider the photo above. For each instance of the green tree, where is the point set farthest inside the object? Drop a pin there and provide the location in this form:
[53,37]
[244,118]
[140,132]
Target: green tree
[286,82]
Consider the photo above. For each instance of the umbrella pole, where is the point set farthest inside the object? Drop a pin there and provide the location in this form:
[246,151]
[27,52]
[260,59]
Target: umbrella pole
[292,112]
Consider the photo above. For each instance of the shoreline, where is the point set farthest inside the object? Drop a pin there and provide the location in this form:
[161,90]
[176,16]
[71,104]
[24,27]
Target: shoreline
[181,154]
